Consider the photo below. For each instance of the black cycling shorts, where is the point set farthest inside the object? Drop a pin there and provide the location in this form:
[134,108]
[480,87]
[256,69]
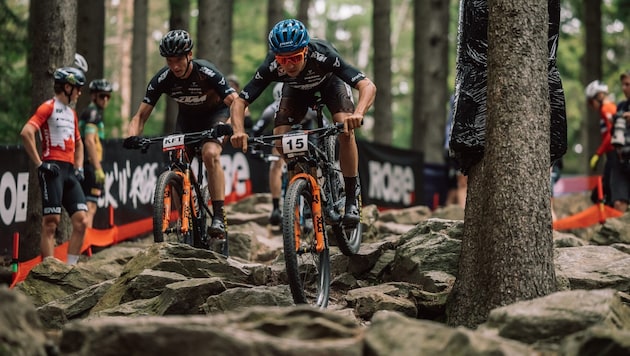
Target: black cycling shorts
[336,94]
[61,190]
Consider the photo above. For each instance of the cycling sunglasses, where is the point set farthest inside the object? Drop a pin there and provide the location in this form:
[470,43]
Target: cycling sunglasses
[295,58]
[104,96]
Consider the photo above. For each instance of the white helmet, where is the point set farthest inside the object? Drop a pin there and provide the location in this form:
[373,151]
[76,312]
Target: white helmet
[80,62]
[277,91]
[595,87]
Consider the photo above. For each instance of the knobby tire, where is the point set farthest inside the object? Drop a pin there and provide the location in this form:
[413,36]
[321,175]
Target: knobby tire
[348,240]
[308,273]
[169,183]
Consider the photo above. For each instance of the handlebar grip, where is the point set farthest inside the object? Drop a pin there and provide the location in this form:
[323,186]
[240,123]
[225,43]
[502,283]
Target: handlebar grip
[223,130]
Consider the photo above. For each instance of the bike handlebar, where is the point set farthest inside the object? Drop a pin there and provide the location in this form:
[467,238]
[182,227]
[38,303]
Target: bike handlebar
[143,143]
[335,129]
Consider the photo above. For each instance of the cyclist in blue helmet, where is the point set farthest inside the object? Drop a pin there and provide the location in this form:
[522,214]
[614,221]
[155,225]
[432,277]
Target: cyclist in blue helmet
[306,67]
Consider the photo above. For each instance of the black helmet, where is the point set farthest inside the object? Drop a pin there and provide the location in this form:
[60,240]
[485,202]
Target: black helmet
[175,43]
[69,75]
[100,85]
[288,36]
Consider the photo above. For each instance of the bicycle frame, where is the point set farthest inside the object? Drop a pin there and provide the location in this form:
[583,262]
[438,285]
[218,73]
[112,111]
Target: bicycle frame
[190,227]
[180,165]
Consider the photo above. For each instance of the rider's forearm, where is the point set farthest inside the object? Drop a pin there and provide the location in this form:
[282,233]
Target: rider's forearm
[237,114]
[367,92]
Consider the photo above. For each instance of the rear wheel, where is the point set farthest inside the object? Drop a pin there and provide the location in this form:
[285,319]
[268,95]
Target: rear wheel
[167,210]
[348,239]
[308,271]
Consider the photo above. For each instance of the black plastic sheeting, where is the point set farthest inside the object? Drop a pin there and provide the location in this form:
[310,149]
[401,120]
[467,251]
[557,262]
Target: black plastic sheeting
[469,123]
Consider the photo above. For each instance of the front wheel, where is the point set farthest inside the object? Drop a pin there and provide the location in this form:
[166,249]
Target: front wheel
[308,271]
[167,210]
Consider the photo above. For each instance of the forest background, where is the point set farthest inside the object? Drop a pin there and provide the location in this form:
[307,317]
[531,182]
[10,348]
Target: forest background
[594,44]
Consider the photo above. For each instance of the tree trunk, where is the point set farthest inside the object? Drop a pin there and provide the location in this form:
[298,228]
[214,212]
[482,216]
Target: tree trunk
[431,19]
[53,47]
[91,42]
[592,64]
[302,11]
[381,30]
[275,14]
[507,248]
[214,33]
[139,51]
[179,19]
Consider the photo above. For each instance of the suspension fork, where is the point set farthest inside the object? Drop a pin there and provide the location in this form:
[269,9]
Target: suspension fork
[186,197]
[316,210]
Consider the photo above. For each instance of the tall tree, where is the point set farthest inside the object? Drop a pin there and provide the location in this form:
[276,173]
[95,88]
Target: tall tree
[302,11]
[179,19]
[431,19]
[275,14]
[52,31]
[91,41]
[592,69]
[139,51]
[381,31]
[507,250]
[214,33]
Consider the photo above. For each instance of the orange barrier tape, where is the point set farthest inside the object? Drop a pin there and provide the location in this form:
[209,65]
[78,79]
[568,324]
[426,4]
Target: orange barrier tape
[585,218]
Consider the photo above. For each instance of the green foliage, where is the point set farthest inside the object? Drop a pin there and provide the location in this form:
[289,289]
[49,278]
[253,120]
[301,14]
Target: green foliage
[15,84]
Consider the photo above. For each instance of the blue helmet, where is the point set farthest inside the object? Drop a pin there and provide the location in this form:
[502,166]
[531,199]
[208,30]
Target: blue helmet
[288,36]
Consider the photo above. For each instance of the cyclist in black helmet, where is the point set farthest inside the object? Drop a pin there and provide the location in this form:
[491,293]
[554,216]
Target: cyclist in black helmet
[92,128]
[307,66]
[204,96]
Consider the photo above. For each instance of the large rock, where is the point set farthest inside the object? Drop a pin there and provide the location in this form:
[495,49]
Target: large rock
[21,332]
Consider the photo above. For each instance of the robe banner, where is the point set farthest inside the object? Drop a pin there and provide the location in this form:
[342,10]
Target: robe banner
[390,177]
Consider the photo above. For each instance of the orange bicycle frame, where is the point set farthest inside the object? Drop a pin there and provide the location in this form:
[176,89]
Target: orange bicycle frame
[185,198]
[316,210]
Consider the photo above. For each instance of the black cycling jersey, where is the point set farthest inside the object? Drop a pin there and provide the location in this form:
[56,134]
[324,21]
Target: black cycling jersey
[201,93]
[322,62]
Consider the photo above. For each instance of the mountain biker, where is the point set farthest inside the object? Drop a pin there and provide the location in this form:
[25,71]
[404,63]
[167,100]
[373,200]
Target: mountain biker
[203,96]
[307,66]
[60,165]
[92,129]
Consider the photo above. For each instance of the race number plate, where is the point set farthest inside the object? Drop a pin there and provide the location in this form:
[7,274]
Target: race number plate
[172,142]
[295,143]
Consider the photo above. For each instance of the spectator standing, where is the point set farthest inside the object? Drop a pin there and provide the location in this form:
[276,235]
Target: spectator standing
[92,127]
[597,98]
[60,165]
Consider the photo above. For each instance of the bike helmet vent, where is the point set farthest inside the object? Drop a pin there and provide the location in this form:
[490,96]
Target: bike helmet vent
[175,43]
[69,75]
[288,36]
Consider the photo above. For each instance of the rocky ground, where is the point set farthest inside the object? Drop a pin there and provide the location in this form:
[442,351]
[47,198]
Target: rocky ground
[141,298]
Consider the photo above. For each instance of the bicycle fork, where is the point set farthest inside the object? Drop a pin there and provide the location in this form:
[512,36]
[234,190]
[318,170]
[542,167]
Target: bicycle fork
[185,201]
[316,211]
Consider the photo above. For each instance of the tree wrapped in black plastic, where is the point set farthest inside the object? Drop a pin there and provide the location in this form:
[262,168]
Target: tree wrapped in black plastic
[469,124]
